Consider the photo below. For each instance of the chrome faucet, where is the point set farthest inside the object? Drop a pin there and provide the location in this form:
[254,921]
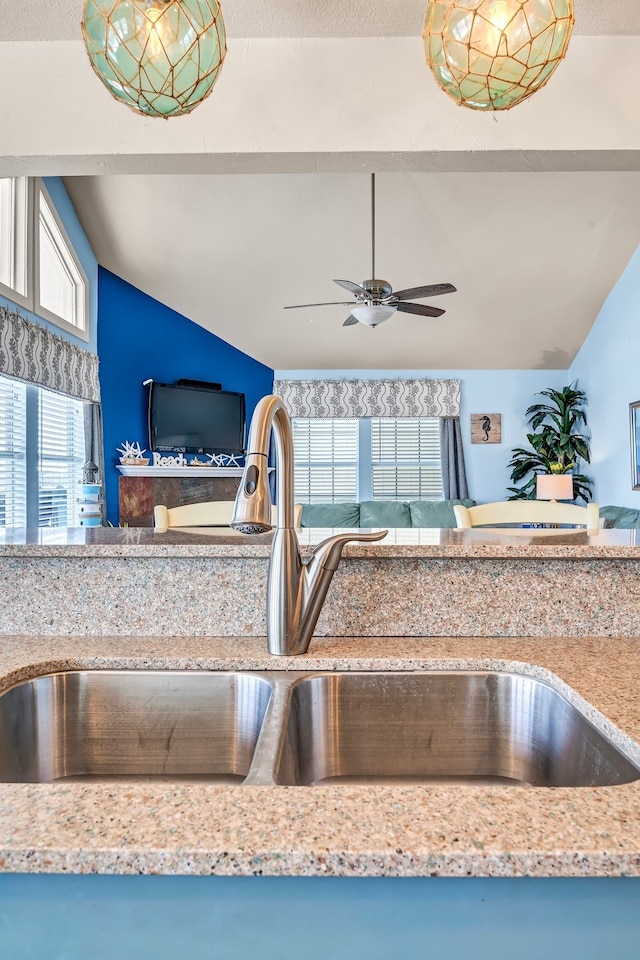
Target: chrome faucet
[295,590]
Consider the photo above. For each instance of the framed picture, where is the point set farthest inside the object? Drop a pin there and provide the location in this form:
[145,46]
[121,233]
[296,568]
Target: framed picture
[486,428]
[634,424]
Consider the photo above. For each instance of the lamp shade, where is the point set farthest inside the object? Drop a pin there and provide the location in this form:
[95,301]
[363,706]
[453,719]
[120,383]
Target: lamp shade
[554,486]
[160,57]
[492,54]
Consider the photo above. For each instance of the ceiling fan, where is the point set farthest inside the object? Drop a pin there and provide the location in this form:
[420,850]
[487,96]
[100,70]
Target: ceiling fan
[376,300]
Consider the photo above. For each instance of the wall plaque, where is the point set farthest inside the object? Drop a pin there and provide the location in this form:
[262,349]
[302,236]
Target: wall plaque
[486,428]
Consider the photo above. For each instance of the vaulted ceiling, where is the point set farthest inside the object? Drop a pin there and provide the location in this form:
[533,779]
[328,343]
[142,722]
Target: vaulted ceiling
[533,257]
[223,216]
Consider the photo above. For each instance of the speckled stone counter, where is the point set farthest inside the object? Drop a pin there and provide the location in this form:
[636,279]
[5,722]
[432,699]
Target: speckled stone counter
[222,542]
[415,583]
[131,828]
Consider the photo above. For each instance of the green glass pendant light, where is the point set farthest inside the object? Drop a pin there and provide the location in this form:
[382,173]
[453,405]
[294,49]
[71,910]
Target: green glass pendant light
[160,57]
[493,54]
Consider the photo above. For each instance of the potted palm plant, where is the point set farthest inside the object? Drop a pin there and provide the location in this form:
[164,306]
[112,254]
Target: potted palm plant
[558,443]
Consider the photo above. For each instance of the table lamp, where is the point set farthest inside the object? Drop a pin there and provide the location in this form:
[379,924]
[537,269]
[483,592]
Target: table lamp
[554,486]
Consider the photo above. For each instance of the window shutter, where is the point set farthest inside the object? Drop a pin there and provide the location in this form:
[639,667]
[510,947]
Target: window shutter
[326,460]
[61,455]
[405,456]
[13,453]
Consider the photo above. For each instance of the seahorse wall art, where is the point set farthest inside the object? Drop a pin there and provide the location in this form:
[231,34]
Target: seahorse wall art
[486,428]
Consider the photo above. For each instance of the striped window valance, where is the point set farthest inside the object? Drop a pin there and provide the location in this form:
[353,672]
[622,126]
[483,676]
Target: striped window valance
[370,398]
[35,354]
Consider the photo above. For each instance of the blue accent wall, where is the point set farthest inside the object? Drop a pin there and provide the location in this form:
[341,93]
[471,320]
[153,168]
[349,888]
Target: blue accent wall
[140,339]
[607,369]
[82,247]
[507,392]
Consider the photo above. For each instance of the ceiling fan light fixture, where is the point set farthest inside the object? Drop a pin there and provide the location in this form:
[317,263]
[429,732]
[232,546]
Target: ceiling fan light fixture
[493,54]
[373,314]
[159,57]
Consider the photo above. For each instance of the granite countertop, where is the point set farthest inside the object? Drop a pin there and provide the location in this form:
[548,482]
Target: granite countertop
[138,542]
[152,827]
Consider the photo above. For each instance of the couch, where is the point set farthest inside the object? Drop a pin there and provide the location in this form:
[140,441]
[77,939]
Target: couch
[382,513]
[621,518]
[424,513]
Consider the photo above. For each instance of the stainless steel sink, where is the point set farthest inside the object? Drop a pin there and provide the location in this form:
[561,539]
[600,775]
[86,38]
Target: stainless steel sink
[105,725]
[476,728]
[301,728]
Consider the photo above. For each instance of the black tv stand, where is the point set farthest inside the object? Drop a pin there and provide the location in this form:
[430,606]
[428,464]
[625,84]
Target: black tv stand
[199,383]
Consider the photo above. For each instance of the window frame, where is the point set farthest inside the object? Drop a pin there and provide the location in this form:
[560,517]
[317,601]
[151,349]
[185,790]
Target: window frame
[13,452]
[350,464]
[81,284]
[22,237]
[49,461]
[39,461]
[364,463]
[415,463]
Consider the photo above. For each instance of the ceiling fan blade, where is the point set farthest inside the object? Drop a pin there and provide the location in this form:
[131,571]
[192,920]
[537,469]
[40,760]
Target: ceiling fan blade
[352,287]
[420,309]
[349,322]
[417,293]
[297,306]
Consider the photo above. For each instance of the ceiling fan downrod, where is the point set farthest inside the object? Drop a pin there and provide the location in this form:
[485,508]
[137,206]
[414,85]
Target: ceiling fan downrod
[373,225]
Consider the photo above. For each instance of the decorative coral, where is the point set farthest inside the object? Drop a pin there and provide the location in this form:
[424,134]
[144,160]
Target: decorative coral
[132,455]
[222,460]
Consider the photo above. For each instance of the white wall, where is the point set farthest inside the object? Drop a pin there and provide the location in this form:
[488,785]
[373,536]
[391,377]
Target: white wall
[508,392]
[607,369]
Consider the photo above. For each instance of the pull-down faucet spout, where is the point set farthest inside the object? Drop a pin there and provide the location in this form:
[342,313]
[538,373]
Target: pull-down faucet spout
[295,590]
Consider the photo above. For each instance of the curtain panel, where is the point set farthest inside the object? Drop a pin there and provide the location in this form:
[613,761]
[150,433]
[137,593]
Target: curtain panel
[370,398]
[35,354]
[94,444]
[454,474]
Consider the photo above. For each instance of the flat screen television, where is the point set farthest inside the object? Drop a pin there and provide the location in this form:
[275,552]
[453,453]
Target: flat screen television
[196,419]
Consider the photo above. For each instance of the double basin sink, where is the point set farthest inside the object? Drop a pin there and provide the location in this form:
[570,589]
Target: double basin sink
[301,729]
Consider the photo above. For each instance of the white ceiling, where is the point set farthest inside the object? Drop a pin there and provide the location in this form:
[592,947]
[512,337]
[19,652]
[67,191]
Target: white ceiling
[59,20]
[533,255]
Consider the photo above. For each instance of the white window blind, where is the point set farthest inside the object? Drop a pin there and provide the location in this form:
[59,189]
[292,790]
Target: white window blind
[405,458]
[42,452]
[380,458]
[61,454]
[326,460]
[13,453]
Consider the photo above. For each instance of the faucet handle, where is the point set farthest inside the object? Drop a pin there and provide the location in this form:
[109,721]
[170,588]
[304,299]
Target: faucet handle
[374,535]
[329,552]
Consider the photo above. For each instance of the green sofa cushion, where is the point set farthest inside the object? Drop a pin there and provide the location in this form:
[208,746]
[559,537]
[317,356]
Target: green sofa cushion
[330,515]
[435,513]
[624,518]
[385,513]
